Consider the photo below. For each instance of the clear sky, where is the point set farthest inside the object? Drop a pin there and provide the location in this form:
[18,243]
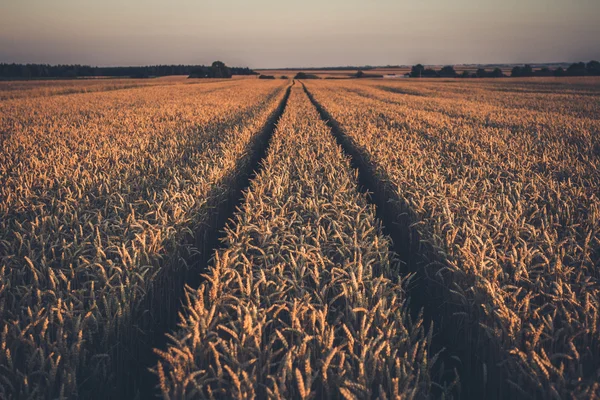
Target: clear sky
[271,33]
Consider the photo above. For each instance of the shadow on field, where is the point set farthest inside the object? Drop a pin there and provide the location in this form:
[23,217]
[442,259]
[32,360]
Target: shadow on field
[160,313]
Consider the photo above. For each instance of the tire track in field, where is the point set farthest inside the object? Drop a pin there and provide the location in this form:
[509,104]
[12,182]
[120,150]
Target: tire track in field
[280,313]
[398,220]
[143,383]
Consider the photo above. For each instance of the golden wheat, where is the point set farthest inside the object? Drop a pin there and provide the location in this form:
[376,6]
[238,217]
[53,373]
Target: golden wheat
[110,190]
[100,194]
[505,191]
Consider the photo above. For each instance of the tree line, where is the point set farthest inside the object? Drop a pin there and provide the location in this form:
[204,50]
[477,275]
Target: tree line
[40,71]
[592,68]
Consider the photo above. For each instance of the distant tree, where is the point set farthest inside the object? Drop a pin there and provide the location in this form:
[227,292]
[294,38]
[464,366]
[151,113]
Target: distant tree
[522,71]
[465,74]
[360,74]
[577,69]
[218,69]
[481,73]
[284,77]
[448,71]
[516,72]
[497,73]
[430,73]
[26,71]
[417,71]
[304,75]
[266,77]
[593,68]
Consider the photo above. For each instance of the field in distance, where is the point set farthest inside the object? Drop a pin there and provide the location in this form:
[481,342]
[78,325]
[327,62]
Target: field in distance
[352,238]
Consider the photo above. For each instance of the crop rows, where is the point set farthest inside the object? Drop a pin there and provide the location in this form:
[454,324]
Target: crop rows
[505,214]
[10,90]
[554,98]
[304,300]
[103,199]
[112,204]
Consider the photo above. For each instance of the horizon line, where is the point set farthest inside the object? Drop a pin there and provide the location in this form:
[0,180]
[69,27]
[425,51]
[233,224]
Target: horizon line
[297,68]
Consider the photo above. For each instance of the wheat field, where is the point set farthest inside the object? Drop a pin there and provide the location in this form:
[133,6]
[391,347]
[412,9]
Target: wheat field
[284,239]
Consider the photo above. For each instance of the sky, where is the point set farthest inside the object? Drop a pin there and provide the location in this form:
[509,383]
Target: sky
[308,33]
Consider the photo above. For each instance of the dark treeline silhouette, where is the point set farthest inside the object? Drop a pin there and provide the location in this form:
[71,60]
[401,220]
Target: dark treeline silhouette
[483,73]
[419,71]
[577,69]
[40,71]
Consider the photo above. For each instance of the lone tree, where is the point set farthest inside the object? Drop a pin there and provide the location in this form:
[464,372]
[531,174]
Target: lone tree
[448,72]
[218,69]
[417,71]
[304,75]
[577,69]
[593,67]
